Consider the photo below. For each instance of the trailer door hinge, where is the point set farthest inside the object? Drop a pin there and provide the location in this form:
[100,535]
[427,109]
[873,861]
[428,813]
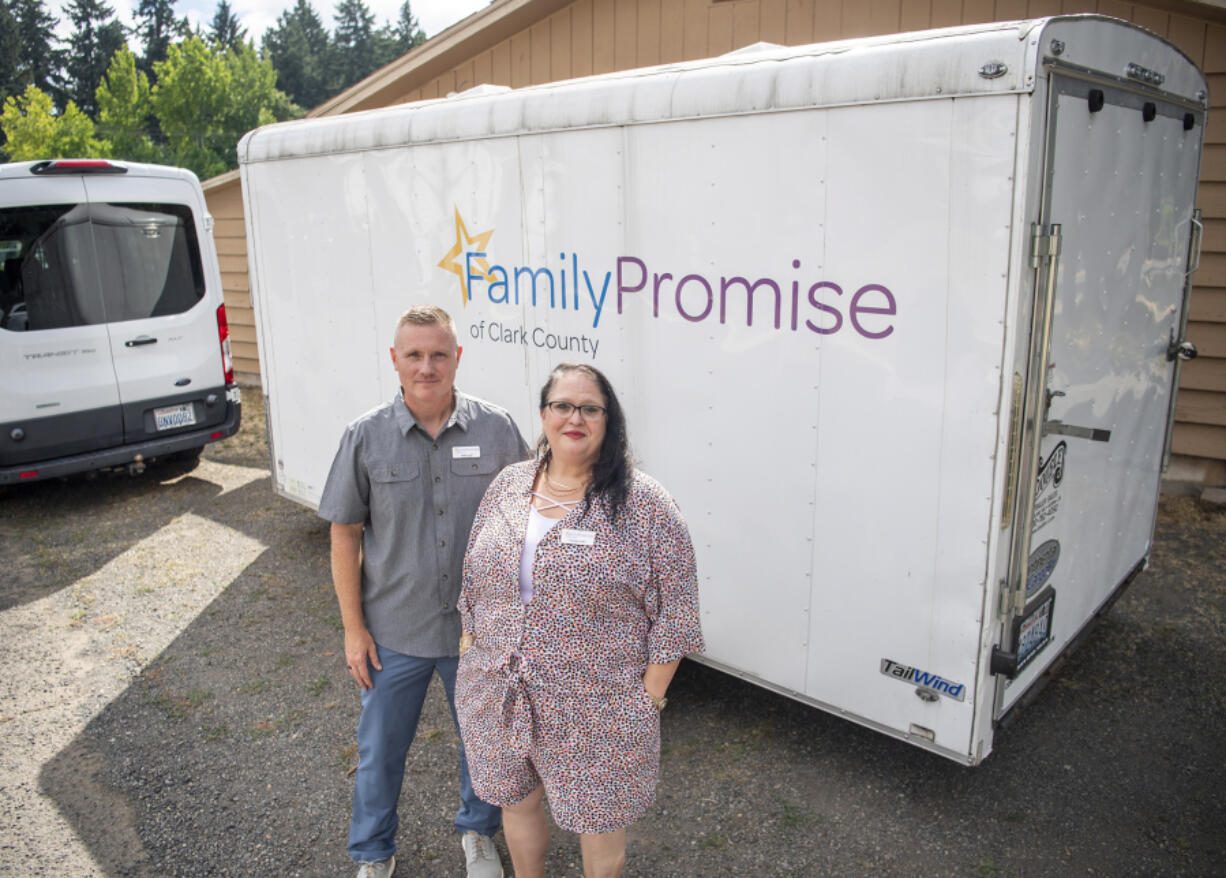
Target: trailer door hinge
[1044,244]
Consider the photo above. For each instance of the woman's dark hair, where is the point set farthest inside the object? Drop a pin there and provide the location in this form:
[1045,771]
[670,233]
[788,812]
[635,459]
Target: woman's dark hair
[611,472]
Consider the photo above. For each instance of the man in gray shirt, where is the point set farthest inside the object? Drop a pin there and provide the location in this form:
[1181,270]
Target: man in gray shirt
[401,496]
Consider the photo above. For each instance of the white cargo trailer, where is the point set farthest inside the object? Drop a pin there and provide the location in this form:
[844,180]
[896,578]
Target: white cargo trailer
[897,320]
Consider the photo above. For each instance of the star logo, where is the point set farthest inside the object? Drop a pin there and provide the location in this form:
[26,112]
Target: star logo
[468,245]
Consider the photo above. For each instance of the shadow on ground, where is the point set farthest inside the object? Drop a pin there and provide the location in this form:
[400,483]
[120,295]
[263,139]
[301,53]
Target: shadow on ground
[230,754]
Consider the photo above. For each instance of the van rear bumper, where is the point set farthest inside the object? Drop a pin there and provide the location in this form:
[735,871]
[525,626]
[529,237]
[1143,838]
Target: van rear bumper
[122,455]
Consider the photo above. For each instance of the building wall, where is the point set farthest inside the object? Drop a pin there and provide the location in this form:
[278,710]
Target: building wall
[599,36]
[230,236]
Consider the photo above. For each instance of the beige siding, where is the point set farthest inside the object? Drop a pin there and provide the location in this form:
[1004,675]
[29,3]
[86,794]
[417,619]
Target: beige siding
[598,36]
[230,238]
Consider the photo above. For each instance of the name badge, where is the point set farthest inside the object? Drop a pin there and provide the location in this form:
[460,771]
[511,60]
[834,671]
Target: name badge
[461,451]
[578,537]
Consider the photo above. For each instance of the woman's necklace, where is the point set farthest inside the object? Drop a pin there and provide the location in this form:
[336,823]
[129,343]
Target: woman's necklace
[558,486]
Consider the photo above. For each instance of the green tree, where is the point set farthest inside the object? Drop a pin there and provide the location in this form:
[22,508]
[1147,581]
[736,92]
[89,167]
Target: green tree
[157,27]
[193,86]
[255,100]
[96,36]
[353,44]
[125,110]
[35,131]
[409,34]
[225,32]
[206,99]
[41,61]
[12,78]
[299,48]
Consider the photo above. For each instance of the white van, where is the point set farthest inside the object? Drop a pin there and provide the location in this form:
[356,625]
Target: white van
[114,347]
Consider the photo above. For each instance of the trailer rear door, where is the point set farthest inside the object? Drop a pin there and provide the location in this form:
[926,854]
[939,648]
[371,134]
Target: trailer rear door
[1121,170]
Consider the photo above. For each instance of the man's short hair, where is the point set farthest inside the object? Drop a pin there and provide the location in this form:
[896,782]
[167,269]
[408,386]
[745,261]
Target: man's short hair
[427,315]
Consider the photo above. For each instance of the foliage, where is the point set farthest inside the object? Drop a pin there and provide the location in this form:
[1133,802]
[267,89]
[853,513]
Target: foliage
[299,49]
[124,110]
[35,131]
[205,100]
[11,78]
[40,59]
[225,32]
[190,97]
[353,43]
[96,37]
[408,32]
[157,26]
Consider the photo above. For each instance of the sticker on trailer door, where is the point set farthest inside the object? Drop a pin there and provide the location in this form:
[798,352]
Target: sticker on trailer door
[1042,564]
[1047,488]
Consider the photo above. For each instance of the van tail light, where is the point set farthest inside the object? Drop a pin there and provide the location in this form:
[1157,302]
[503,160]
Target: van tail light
[223,336]
[77,166]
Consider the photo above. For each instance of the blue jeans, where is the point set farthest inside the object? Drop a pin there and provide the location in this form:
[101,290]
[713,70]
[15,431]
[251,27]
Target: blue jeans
[390,711]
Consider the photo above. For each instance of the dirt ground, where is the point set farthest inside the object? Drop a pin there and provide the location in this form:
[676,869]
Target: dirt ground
[173,702]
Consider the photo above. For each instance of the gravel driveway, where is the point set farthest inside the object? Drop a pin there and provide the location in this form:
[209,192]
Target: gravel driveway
[173,701]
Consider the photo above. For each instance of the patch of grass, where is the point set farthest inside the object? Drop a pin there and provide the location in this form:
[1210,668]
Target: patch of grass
[253,687]
[796,816]
[713,841]
[284,660]
[988,867]
[348,758]
[178,707]
[433,734]
[318,686]
[212,734]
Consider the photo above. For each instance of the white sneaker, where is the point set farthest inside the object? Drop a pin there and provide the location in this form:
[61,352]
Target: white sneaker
[381,869]
[482,856]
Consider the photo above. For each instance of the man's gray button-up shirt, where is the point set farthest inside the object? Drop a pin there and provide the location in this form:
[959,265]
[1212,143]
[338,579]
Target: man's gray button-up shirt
[416,497]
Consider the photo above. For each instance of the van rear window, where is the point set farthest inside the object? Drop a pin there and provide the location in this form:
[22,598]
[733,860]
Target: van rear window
[81,264]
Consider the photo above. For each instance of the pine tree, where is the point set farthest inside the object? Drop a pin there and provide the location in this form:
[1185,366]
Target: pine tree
[41,60]
[157,28]
[408,32]
[225,30]
[11,73]
[299,47]
[353,44]
[96,37]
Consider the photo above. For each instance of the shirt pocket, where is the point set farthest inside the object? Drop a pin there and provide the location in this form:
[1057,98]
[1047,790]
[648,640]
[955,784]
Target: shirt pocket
[390,473]
[474,466]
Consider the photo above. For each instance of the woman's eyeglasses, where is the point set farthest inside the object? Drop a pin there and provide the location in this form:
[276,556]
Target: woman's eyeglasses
[566,409]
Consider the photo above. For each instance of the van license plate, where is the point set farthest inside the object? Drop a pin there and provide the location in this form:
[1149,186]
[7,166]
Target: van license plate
[173,416]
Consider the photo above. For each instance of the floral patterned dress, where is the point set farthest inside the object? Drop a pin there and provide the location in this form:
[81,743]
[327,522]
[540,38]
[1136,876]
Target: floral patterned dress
[552,690]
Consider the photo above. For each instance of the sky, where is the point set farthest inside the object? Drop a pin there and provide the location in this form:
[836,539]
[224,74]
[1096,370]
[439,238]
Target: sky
[259,15]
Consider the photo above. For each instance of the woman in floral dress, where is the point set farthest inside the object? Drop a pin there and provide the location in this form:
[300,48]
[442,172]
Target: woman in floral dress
[580,597]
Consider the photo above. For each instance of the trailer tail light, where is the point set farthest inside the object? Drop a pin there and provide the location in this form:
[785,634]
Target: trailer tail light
[28,474]
[223,336]
[77,166]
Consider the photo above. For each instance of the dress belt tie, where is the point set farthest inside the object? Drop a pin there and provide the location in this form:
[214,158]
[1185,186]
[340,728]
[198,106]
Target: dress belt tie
[516,704]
